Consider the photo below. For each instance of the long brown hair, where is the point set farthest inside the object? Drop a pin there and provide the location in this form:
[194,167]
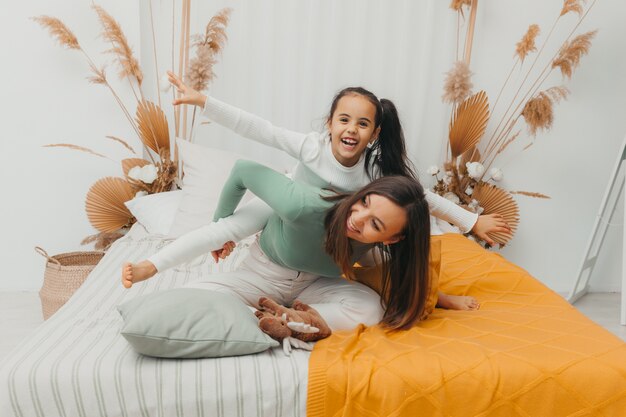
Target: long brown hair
[405,280]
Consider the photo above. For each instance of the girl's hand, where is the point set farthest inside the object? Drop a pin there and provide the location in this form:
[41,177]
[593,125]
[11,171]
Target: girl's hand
[490,223]
[186,95]
[223,253]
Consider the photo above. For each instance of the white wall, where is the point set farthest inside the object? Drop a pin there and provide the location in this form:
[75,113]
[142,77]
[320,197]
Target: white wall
[46,99]
[572,162]
[284,60]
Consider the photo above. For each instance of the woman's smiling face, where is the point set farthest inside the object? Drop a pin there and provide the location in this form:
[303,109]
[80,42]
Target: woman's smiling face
[352,128]
[375,219]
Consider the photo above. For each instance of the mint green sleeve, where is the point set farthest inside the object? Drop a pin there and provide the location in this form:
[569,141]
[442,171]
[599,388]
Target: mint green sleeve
[284,196]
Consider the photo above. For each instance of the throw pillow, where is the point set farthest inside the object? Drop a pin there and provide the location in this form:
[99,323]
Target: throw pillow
[155,212]
[192,323]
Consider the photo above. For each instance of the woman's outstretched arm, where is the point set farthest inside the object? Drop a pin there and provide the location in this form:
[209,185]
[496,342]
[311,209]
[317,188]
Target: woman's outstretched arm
[283,195]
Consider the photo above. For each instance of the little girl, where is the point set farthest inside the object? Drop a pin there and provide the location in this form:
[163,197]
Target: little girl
[364,140]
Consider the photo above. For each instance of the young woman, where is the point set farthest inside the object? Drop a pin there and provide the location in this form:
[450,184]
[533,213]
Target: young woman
[363,140]
[311,238]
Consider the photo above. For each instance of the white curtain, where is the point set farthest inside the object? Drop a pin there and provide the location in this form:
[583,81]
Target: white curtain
[285,60]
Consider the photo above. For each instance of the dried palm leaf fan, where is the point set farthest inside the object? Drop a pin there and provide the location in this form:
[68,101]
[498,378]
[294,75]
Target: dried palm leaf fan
[468,123]
[105,204]
[495,200]
[130,163]
[153,127]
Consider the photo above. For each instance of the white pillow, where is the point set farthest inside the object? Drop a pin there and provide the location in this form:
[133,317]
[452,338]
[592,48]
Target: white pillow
[155,212]
[205,172]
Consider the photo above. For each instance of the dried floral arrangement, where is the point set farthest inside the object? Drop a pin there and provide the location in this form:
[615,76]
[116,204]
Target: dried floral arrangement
[105,199]
[469,175]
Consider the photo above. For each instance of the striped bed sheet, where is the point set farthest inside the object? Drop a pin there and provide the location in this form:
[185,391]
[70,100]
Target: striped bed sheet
[77,363]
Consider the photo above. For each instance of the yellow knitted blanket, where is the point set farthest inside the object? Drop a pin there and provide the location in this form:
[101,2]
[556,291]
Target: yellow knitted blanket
[526,352]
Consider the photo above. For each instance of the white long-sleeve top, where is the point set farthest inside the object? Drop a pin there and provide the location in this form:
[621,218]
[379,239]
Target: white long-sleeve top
[317,166]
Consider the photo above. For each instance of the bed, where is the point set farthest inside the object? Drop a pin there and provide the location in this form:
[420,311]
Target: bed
[526,352]
[77,364]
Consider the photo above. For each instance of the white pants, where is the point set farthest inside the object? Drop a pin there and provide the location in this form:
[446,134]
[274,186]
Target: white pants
[343,304]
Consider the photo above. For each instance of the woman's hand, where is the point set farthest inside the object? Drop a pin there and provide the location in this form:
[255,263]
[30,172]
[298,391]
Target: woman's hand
[223,253]
[186,95]
[490,223]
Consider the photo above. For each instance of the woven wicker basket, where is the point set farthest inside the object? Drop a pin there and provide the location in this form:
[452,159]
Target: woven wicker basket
[63,275]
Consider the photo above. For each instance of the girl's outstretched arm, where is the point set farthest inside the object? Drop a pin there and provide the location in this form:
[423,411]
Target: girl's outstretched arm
[186,94]
[301,146]
[490,223]
[445,209]
[465,220]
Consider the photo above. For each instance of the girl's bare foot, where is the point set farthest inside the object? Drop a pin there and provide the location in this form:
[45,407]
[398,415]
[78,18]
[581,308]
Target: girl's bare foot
[457,302]
[132,273]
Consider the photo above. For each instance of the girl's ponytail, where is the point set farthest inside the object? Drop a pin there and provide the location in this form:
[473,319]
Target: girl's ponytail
[389,151]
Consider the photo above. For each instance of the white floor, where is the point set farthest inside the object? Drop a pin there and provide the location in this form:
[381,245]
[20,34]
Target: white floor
[20,314]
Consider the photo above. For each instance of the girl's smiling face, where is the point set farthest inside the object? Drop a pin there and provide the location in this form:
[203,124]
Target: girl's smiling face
[352,128]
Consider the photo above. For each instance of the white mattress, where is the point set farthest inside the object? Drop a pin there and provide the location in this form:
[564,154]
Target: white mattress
[77,364]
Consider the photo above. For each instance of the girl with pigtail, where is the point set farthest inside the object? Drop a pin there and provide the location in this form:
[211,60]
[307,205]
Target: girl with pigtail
[349,154]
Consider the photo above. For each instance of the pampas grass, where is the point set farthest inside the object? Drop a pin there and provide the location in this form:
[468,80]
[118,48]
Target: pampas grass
[530,194]
[65,36]
[200,71]
[59,31]
[571,52]
[538,111]
[123,142]
[458,84]
[76,148]
[104,204]
[534,106]
[531,102]
[99,75]
[215,31]
[112,32]
[572,6]
[510,140]
[457,5]
[527,44]
[102,241]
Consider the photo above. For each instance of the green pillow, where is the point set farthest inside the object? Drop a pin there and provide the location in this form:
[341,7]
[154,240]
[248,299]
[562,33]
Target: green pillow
[192,323]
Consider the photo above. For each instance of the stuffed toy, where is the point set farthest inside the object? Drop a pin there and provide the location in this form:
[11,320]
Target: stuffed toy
[293,327]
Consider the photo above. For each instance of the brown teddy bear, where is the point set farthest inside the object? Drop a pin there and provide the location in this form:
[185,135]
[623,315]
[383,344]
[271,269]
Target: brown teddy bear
[290,325]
